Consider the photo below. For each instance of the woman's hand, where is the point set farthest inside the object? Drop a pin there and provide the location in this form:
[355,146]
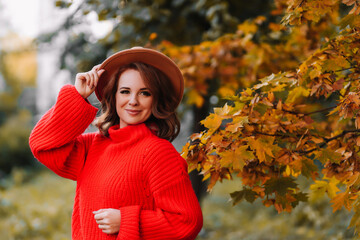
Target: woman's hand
[108,220]
[86,82]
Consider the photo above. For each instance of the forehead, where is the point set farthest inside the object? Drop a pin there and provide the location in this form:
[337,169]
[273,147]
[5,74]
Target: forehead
[131,78]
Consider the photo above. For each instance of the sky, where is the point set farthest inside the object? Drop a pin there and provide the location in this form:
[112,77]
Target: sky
[21,16]
[24,17]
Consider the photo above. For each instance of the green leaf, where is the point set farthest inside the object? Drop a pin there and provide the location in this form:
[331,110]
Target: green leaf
[300,197]
[328,155]
[279,185]
[246,194]
[261,108]
[308,168]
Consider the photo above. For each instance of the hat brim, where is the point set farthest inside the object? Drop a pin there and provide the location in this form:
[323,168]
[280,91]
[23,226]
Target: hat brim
[144,55]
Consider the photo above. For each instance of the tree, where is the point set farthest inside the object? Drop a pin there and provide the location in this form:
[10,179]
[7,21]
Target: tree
[181,22]
[17,67]
[302,120]
[137,22]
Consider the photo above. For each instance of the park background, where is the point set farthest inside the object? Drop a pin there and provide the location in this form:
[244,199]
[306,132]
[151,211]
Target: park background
[223,48]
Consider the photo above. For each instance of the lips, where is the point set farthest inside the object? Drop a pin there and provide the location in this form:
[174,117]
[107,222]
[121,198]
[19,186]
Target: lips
[132,112]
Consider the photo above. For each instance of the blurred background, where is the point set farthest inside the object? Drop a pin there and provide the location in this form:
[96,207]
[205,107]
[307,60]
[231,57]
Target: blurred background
[44,43]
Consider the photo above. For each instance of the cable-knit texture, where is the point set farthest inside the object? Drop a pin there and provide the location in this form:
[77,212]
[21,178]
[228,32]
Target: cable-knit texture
[132,170]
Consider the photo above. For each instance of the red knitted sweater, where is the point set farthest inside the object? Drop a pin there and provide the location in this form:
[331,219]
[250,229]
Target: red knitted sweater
[132,170]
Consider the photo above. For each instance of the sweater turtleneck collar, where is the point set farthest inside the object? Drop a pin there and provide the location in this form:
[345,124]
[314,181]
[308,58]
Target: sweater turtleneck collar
[128,134]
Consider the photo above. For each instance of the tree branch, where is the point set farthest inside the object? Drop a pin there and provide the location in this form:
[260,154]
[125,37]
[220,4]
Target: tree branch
[309,113]
[326,140]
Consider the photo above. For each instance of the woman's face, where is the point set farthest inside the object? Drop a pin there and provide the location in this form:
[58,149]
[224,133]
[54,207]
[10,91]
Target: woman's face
[133,99]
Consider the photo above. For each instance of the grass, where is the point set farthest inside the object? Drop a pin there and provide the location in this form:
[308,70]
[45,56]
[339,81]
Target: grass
[38,206]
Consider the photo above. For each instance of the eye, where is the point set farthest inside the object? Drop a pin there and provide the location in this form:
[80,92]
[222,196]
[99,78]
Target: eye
[124,91]
[145,93]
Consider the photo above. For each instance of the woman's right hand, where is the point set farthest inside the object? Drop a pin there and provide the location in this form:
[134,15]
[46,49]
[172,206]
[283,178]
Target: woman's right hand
[85,83]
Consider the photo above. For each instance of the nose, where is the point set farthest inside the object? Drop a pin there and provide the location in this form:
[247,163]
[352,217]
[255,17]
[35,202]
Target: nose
[133,100]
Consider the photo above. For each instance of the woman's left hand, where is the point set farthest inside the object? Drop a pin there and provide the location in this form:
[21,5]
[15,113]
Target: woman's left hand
[108,220]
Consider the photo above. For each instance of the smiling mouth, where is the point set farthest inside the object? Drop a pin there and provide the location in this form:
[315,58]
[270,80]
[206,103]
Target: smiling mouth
[133,112]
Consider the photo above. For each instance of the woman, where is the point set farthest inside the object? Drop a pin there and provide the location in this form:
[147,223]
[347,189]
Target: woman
[131,182]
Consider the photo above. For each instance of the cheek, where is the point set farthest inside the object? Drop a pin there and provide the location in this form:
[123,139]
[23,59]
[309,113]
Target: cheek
[119,100]
[149,106]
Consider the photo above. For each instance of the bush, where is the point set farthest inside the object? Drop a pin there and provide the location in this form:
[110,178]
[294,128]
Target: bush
[38,209]
[38,206]
[14,142]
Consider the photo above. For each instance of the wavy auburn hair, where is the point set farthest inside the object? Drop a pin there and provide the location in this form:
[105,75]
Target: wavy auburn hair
[163,112]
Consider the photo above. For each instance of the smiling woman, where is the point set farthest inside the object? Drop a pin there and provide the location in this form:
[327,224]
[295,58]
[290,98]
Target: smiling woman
[133,99]
[131,182]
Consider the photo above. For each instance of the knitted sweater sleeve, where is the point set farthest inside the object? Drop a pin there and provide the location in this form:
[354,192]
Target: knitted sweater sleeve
[56,140]
[177,213]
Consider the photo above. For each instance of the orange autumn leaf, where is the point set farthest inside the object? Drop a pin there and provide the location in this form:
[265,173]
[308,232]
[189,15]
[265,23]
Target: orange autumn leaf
[344,199]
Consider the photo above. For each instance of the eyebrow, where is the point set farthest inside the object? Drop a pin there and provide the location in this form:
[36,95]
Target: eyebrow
[129,88]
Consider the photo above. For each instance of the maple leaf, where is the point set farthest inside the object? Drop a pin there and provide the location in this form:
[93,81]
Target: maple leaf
[263,146]
[237,122]
[308,168]
[357,121]
[193,97]
[326,154]
[226,91]
[300,197]
[212,122]
[213,179]
[236,158]
[319,188]
[246,194]
[280,185]
[296,93]
[344,199]
[223,111]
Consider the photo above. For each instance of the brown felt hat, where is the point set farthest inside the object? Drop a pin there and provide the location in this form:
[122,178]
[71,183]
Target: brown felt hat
[144,55]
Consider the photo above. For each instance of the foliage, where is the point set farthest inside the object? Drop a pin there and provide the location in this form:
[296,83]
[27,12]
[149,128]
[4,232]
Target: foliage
[36,207]
[300,119]
[313,220]
[17,67]
[297,121]
[135,22]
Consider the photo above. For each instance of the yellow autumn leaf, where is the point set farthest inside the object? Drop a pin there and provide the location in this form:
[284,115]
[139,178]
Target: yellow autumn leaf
[226,91]
[320,187]
[290,172]
[237,158]
[223,111]
[237,122]
[212,122]
[247,27]
[263,147]
[297,93]
[193,97]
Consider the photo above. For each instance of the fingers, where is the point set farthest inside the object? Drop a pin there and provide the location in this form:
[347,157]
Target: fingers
[108,220]
[106,229]
[101,216]
[103,222]
[94,76]
[91,78]
[96,67]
